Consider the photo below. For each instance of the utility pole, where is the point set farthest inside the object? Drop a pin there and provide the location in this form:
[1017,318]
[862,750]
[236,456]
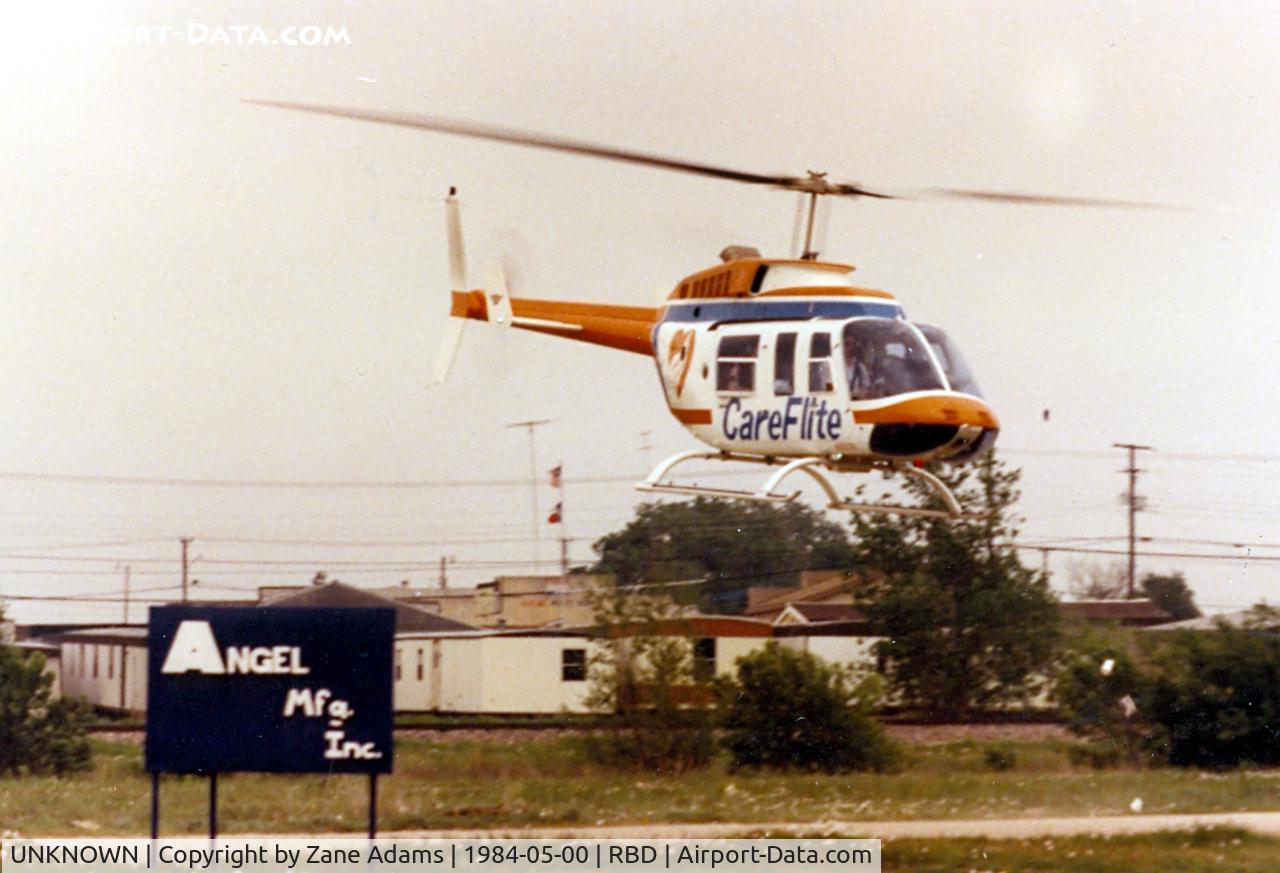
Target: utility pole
[126,593]
[533,481]
[445,561]
[645,447]
[1133,500]
[186,541]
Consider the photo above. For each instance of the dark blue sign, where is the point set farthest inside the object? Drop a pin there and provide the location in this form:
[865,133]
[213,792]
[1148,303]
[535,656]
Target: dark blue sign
[280,690]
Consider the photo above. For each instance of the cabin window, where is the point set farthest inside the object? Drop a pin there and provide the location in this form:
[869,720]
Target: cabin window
[959,376]
[820,363]
[704,658]
[573,665]
[784,364]
[736,363]
[884,357]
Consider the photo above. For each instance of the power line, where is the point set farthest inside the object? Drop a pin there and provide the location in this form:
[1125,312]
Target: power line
[1145,554]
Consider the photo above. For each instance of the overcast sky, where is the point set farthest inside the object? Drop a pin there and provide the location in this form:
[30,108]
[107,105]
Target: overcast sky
[197,291]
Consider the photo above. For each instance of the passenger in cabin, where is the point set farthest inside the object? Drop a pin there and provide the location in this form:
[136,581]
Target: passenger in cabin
[734,381]
[862,382]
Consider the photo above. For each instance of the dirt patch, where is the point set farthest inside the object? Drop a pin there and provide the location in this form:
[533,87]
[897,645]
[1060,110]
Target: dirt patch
[937,734]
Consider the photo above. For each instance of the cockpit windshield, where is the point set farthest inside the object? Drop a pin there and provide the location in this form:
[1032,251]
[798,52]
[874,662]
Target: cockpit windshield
[883,357]
[953,363]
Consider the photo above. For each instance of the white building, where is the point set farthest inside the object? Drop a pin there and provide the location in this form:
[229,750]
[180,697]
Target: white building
[106,667]
[539,672]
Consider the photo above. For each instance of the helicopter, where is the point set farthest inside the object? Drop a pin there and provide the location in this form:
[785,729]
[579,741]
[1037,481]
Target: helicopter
[774,362]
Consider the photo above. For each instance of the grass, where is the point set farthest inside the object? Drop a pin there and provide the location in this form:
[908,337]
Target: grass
[476,784]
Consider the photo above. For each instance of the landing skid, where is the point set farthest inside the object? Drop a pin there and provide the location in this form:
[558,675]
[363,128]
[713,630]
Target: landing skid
[814,467]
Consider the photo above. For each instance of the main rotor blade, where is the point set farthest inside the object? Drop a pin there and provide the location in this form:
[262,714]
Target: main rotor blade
[1032,199]
[811,183]
[537,140]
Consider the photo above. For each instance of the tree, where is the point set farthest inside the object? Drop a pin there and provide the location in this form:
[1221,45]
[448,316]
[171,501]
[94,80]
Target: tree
[643,673]
[1215,695]
[37,735]
[965,625]
[790,709]
[1170,593]
[733,544]
[1091,580]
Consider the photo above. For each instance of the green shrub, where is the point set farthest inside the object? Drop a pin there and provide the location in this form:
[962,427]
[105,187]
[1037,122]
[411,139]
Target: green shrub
[1000,759]
[647,680]
[37,735]
[1099,756]
[790,709]
[1103,694]
[1215,697]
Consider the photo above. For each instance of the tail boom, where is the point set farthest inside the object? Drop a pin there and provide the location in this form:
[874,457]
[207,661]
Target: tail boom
[628,328]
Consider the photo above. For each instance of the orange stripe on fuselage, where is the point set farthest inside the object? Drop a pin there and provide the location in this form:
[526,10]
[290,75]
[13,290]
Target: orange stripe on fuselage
[620,327]
[692,416]
[932,409]
[826,291]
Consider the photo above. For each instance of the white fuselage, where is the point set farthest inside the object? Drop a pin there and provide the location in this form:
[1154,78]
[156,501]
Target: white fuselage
[800,386]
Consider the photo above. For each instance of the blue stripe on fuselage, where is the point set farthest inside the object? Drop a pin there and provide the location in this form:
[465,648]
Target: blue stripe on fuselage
[766,310]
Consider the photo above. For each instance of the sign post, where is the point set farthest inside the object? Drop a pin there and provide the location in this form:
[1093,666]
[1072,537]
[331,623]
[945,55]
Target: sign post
[279,690]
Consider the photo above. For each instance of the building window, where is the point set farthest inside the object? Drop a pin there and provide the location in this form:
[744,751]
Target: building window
[419,664]
[111,662]
[398,654]
[573,665]
[704,658]
[95,662]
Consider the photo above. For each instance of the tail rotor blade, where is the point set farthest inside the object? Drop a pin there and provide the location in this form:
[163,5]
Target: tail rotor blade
[453,326]
[448,351]
[457,252]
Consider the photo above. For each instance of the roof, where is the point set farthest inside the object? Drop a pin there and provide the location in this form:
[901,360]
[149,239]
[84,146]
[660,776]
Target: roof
[129,636]
[682,626]
[47,647]
[695,625]
[1256,618]
[820,612]
[1140,611]
[837,582]
[826,629]
[337,595]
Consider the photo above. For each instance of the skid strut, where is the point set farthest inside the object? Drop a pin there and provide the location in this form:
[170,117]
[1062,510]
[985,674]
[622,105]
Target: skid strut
[816,468]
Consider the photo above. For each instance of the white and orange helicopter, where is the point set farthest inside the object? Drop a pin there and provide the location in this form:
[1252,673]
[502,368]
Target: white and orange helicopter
[778,362]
